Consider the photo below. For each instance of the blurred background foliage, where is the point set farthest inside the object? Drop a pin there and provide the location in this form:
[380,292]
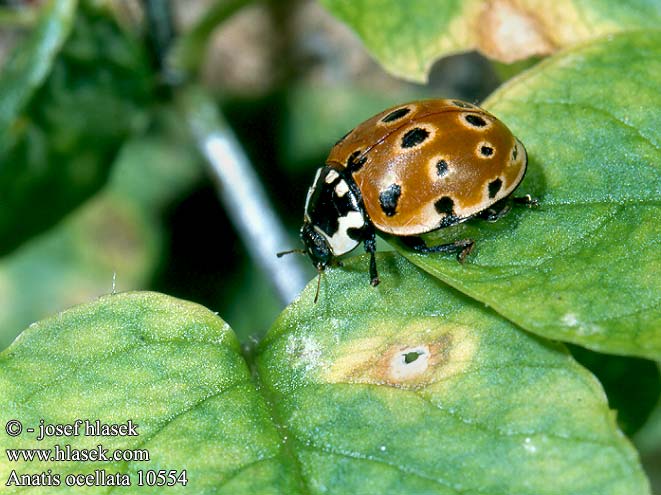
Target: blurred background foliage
[102,188]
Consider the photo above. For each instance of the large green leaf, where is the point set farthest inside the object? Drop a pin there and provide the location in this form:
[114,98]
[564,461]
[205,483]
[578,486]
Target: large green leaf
[407,37]
[114,239]
[28,67]
[171,367]
[64,119]
[108,242]
[411,388]
[405,388]
[584,266]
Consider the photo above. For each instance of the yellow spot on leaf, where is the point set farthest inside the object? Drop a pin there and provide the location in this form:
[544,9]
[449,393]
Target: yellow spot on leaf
[508,32]
[406,356]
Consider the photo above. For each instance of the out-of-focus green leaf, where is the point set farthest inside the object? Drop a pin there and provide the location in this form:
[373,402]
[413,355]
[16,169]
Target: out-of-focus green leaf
[506,72]
[30,64]
[315,118]
[190,48]
[648,439]
[114,239]
[407,37]
[248,287]
[65,132]
[584,266]
[633,385]
[173,368]
[153,170]
[108,242]
[648,442]
[412,388]
[18,17]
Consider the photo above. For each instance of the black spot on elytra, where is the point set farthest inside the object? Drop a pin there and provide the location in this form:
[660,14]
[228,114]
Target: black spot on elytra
[462,104]
[442,168]
[486,150]
[494,187]
[515,152]
[389,199]
[444,206]
[414,137]
[396,114]
[355,161]
[475,120]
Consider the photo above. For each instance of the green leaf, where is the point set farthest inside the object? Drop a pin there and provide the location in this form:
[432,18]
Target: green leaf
[648,442]
[405,388]
[249,287]
[407,37]
[28,67]
[190,48]
[172,367]
[114,239]
[411,388]
[648,439]
[634,404]
[65,132]
[584,266]
[108,242]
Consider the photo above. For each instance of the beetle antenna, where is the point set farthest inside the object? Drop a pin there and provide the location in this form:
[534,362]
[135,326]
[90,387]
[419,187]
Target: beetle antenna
[282,253]
[316,295]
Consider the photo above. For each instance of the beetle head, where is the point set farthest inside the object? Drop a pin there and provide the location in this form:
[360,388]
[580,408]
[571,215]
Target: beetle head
[316,246]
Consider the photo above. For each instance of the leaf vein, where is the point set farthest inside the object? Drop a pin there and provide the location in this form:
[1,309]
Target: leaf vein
[403,469]
[171,419]
[614,118]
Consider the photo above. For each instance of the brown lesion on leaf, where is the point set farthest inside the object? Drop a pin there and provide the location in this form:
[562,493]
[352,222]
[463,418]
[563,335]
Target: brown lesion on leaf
[422,353]
[508,31]
[406,365]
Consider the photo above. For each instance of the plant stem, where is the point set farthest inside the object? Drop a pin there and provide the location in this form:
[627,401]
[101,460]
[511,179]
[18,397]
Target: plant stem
[190,48]
[160,36]
[238,186]
[242,194]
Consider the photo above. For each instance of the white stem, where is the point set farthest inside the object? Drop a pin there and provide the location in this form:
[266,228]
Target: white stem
[245,200]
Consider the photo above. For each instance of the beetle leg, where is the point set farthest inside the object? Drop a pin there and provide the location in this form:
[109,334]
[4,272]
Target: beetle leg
[496,211]
[501,208]
[526,200]
[462,247]
[370,247]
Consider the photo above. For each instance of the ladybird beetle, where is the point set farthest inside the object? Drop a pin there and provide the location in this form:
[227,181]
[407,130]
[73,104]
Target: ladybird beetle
[409,170]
